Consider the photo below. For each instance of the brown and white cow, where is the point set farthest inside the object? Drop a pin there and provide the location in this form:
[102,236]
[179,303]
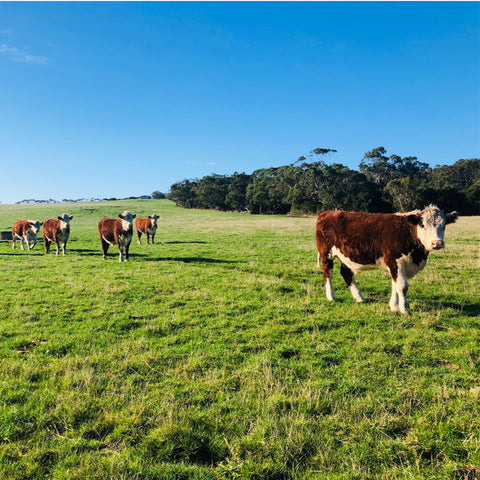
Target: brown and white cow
[57,230]
[25,231]
[148,226]
[397,243]
[117,231]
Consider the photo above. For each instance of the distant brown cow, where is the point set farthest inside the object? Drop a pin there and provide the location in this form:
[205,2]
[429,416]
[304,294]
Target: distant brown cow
[148,226]
[25,231]
[396,243]
[116,231]
[56,230]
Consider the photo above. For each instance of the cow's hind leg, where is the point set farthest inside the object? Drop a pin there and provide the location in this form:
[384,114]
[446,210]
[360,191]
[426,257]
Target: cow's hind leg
[349,278]
[105,246]
[46,243]
[327,269]
[139,233]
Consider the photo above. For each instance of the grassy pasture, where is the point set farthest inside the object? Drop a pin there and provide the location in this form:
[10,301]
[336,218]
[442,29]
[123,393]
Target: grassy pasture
[214,354]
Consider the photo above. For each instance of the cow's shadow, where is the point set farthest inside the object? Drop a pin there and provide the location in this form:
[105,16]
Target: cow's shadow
[179,242]
[191,260]
[464,309]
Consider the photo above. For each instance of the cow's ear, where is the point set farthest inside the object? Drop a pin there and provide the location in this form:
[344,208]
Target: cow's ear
[41,223]
[120,216]
[70,217]
[60,218]
[134,215]
[451,217]
[414,219]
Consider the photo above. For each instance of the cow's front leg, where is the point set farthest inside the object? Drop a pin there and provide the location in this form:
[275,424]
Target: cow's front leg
[398,300]
[394,298]
[58,248]
[120,248]
[349,278]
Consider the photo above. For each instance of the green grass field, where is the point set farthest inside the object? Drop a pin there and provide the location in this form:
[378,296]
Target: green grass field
[214,354]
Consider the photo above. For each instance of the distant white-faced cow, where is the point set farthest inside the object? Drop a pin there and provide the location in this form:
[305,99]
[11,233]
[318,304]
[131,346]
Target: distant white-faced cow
[397,243]
[25,231]
[148,226]
[116,231]
[56,230]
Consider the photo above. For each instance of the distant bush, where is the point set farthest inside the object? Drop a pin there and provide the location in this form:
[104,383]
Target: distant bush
[383,184]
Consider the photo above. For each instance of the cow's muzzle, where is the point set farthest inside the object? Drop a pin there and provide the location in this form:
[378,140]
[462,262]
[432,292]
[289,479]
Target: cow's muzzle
[437,244]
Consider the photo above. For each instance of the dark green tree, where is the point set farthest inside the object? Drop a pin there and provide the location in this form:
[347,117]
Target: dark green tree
[236,198]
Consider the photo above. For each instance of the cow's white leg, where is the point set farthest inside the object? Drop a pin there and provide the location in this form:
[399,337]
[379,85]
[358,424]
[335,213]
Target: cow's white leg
[355,291]
[394,298]
[401,288]
[329,288]
[121,254]
[21,244]
[349,278]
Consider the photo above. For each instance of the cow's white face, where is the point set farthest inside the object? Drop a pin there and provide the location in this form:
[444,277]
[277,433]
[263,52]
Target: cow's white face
[65,219]
[431,226]
[34,227]
[127,218]
[154,219]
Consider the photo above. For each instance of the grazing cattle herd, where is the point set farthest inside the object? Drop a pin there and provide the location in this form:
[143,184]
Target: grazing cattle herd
[398,243]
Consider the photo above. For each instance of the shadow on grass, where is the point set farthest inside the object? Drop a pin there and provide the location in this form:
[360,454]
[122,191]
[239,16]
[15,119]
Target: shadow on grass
[178,242]
[468,309]
[190,260]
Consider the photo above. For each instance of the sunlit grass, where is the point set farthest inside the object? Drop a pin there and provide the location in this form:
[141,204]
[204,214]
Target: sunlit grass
[215,354]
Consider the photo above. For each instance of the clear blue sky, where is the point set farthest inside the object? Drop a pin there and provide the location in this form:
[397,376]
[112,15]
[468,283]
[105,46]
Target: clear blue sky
[119,99]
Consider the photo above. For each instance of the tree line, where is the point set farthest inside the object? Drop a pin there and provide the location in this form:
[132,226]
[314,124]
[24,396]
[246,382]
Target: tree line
[311,185]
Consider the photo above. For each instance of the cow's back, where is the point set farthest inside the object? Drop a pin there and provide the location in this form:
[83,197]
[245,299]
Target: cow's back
[142,224]
[50,228]
[108,227]
[20,227]
[365,237]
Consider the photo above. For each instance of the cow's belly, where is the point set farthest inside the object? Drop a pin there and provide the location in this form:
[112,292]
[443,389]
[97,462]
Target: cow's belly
[60,237]
[356,266]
